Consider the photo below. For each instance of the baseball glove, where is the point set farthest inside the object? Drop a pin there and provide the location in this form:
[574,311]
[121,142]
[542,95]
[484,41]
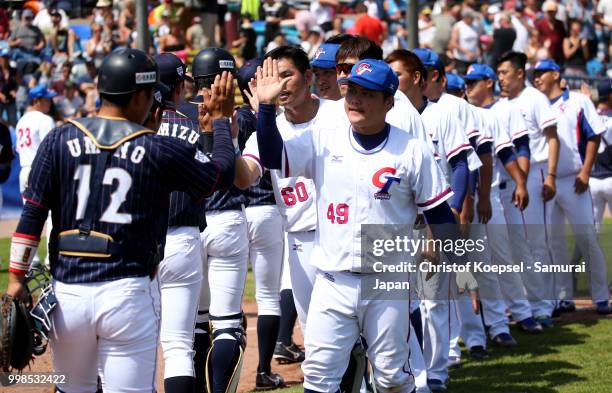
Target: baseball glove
[16,339]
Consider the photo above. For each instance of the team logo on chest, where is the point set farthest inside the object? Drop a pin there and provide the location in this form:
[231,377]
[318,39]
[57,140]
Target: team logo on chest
[383,179]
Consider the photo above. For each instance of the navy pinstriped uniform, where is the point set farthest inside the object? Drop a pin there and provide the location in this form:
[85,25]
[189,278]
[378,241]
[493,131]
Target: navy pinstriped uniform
[141,174]
[184,210]
[231,199]
[261,193]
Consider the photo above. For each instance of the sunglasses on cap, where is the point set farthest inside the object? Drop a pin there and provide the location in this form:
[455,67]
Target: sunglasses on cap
[344,68]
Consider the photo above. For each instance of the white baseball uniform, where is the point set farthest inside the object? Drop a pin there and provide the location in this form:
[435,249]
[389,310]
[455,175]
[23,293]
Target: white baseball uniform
[600,182]
[295,200]
[31,129]
[528,228]
[449,137]
[178,283]
[511,126]
[347,178]
[464,112]
[577,120]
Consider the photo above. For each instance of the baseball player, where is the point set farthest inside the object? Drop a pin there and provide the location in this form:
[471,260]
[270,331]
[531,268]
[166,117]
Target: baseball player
[266,244]
[502,121]
[285,351]
[225,257]
[504,126]
[107,182]
[324,70]
[180,272]
[31,129]
[453,126]
[347,156]
[579,129]
[600,182]
[294,196]
[403,116]
[448,136]
[528,229]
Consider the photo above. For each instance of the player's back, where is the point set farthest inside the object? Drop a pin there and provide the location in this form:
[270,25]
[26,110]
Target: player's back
[128,187]
[31,129]
[184,211]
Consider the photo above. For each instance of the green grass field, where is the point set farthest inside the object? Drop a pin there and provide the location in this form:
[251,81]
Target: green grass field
[573,357]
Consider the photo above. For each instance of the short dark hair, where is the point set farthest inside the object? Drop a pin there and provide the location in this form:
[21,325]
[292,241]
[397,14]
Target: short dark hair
[338,38]
[359,47]
[517,59]
[293,53]
[409,60]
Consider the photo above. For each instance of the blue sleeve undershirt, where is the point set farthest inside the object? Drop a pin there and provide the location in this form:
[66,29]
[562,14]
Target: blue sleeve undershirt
[269,139]
[459,179]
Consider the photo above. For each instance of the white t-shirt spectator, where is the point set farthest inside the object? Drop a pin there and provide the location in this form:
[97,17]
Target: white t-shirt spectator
[322,13]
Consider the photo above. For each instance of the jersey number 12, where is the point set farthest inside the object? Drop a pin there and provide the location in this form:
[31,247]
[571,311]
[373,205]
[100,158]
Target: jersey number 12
[111,214]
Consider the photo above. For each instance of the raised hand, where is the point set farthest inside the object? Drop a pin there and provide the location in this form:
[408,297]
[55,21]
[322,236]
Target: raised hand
[269,83]
[251,94]
[221,102]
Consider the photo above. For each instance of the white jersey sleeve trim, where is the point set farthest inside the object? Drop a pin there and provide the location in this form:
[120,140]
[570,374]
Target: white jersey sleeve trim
[437,200]
[457,150]
[256,160]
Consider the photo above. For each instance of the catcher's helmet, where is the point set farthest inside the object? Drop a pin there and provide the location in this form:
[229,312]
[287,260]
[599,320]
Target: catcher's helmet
[212,61]
[126,71]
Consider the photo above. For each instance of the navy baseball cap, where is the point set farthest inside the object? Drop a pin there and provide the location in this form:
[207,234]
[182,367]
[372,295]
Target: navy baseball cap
[373,75]
[547,65]
[477,72]
[603,89]
[325,56]
[428,57]
[454,82]
[171,69]
[40,91]
[159,91]
[247,72]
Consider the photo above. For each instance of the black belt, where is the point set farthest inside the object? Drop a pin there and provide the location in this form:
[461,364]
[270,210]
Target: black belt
[503,185]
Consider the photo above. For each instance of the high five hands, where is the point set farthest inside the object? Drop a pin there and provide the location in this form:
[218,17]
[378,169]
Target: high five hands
[220,103]
[269,83]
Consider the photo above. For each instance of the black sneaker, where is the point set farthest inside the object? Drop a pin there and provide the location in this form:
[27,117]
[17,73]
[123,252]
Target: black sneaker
[268,381]
[285,354]
[477,352]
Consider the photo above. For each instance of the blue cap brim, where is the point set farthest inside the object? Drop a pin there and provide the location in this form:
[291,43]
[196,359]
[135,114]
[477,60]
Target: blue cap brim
[326,64]
[363,83]
[474,77]
[545,69]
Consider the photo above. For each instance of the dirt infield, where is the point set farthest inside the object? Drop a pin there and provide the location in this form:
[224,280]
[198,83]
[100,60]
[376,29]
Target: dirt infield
[291,373]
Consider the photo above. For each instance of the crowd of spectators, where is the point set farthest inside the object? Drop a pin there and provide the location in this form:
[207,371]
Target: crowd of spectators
[40,41]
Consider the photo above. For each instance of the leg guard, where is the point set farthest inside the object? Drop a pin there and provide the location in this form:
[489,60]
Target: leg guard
[201,345]
[355,372]
[224,360]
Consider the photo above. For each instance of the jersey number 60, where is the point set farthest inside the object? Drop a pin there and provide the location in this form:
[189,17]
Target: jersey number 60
[290,193]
